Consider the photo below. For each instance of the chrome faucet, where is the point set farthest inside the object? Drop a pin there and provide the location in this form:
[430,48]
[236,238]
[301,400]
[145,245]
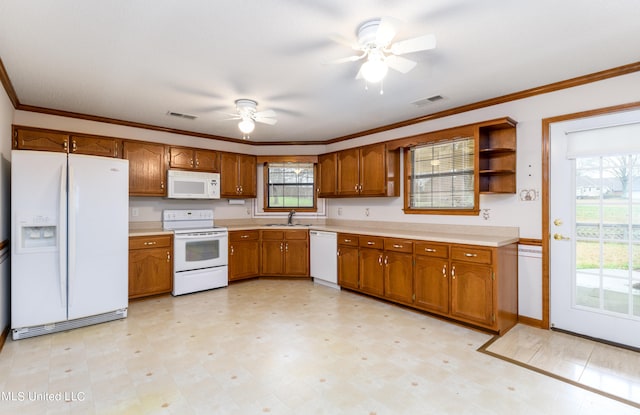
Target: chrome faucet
[290,218]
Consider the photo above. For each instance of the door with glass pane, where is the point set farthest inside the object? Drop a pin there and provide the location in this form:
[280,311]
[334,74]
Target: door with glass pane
[595,234]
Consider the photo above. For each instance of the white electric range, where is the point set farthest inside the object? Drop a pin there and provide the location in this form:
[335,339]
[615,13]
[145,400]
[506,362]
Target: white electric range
[200,257]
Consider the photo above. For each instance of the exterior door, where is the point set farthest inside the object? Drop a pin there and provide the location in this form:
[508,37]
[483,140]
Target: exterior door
[595,227]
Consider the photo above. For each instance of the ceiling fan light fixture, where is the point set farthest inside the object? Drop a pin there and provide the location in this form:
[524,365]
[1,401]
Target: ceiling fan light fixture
[246,125]
[374,69]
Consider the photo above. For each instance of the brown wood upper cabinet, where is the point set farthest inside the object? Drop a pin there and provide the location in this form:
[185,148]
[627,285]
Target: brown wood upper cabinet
[40,139]
[237,175]
[368,171]
[95,146]
[497,142]
[193,159]
[147,168]
[327,178]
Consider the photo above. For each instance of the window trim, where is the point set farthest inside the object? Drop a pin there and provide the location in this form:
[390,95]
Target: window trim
[265,181]
[432,138]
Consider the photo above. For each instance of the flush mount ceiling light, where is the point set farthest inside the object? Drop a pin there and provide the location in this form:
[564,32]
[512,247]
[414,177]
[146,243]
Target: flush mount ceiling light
[246,112]
[374,43]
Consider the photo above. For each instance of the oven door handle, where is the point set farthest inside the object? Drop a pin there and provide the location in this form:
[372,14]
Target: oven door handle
[201,235]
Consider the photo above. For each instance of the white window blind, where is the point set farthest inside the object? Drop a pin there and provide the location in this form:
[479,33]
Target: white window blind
[442,175]
[605,141]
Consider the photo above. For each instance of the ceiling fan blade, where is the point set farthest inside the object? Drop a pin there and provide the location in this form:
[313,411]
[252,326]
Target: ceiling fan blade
[348,59]
[400,64]
[415,44]
[266,113]
[344,41]
[266,120]
[386,31]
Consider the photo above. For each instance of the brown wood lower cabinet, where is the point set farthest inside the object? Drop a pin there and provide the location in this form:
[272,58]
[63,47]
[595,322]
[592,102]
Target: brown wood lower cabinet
[284,253]
[348,261]
[150,265]
[244,254]
[468,283]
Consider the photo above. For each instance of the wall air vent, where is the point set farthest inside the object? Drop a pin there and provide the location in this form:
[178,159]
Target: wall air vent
[424,101]
[180,115]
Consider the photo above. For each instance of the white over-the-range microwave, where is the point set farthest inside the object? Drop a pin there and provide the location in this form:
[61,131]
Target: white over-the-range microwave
[184,184]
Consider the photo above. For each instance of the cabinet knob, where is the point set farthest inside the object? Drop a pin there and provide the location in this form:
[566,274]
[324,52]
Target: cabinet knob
[65,144]
[429,250]
[453,272]
[150,243]
[347,240]
[168,256]
[244,236]
[397,246]
[231,253]
[444,271]
[74,146]
[162,184]
[468,255]
[380,260]
[370,243]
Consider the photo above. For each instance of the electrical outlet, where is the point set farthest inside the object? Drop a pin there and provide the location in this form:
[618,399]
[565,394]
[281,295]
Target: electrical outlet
[135,212]
[366,212]
[339,211]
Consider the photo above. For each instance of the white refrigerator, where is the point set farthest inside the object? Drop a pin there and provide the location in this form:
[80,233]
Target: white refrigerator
[69,235]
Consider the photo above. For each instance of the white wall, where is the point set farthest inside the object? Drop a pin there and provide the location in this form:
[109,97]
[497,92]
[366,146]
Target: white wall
[6,117]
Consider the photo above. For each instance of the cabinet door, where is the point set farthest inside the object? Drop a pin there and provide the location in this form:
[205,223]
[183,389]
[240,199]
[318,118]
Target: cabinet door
[348,172]
[181,158]
[373,171]
[244,259]
[150,272]
[348,267]
[296,257]
[272,257]
[206,160]
[229,186]
[472,293]
[27,139]
[327,175]
[247,175]
[95,146]
[371,271]
[147,168]
[431,283]
[398,277]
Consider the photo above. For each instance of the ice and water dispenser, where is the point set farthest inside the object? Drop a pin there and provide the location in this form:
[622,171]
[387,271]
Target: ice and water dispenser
[37,234]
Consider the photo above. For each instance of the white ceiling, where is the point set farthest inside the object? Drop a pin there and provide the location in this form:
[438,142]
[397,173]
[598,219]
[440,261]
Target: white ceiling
[134,60]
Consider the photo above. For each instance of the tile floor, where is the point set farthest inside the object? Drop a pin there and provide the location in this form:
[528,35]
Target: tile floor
[609,369]
[277,347]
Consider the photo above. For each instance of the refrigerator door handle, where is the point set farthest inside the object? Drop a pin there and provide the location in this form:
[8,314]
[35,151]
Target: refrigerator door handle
[71,235]
[62,211]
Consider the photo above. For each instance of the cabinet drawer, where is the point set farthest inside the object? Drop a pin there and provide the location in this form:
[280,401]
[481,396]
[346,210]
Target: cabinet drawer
[142,242]
[471,254]
[237,236]
[398,245]
[347,239]
[432,249]
[277,235]
[371,241]
[297,234]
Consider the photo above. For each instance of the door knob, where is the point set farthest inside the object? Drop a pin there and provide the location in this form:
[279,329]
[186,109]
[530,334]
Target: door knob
[557,222]
[559,237]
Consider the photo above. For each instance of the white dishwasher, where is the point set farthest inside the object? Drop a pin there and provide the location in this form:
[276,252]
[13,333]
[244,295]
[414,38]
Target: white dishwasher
[324,257]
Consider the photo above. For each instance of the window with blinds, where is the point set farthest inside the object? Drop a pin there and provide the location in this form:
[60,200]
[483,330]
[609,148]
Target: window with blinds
[442,176]
[290,186]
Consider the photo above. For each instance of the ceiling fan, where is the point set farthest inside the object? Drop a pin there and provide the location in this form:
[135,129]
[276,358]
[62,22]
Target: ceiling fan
[374,44]
[247,113]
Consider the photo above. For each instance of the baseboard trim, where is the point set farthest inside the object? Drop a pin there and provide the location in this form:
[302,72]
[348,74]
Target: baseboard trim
[3,337]
[530,322]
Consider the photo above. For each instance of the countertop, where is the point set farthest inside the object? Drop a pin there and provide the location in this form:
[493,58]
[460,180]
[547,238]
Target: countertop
[471,235]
